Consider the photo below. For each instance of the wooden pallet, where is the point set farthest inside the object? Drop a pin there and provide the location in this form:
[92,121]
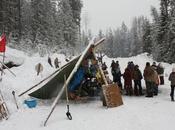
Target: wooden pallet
[112,95]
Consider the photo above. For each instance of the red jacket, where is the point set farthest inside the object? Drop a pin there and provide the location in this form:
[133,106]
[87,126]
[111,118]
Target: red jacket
[127,77]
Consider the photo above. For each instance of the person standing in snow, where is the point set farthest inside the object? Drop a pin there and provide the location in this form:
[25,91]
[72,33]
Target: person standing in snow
[149,79]
[118,75]
[131,66]
[155,82]
[172,80]
[56,62]
[160,71]
[137,77]
[39,68]
[113,68]
[50,62]
[128,81]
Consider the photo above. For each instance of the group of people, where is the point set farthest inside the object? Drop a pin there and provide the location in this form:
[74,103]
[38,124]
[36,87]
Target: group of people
[152,74]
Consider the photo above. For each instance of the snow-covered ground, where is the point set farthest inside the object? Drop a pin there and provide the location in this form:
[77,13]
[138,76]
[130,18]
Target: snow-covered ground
[137,113]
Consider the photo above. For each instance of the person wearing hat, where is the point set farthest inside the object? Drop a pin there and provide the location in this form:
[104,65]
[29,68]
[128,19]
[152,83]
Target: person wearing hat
[172,80]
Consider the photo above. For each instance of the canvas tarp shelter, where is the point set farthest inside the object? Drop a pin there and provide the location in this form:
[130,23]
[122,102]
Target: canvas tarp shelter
[51,86]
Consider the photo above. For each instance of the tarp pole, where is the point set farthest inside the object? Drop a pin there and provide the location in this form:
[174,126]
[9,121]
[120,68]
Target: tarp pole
[67,98]
[69,78]
[68,114]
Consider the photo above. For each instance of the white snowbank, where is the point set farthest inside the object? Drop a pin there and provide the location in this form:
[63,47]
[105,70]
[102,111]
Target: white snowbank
[137,113]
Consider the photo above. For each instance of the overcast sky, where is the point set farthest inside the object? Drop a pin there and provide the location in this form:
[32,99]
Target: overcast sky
[110,13]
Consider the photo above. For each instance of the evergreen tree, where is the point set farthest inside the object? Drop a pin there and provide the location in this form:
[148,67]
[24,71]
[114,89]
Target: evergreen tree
[124,40]
[42,20]
[76,6]
[146,39]
[51,23]
[70,28]
[163,36]
[10,18]
[134,38]
[172,32]
[110,50]
[155,14]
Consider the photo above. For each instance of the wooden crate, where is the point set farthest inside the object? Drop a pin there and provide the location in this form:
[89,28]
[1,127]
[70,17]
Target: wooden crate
[112,95]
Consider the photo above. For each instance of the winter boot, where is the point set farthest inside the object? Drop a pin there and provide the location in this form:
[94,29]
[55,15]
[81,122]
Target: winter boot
[172,98]
[136,91]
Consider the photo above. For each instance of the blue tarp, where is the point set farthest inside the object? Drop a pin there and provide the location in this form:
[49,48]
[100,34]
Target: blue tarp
[77,79]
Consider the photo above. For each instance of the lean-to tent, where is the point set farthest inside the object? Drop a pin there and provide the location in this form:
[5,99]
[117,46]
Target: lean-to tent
[52,85]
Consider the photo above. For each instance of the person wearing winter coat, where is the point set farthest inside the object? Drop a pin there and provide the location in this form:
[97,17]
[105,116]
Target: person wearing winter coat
[56,63]
[113,68]
[172,80]
[113,64]
[155,82]
[118,76]
[50,62]
[137,77]
[149,79]
[128,81]
[131,67]
[160,71]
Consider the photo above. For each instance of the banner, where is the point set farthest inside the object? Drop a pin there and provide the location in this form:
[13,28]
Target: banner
[2,43]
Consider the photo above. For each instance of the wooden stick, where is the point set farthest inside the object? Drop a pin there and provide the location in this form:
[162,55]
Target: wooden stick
[67,99]
[13,92]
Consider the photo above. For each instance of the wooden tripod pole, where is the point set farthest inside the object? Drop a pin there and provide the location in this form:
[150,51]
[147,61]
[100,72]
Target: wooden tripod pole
[67,98]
